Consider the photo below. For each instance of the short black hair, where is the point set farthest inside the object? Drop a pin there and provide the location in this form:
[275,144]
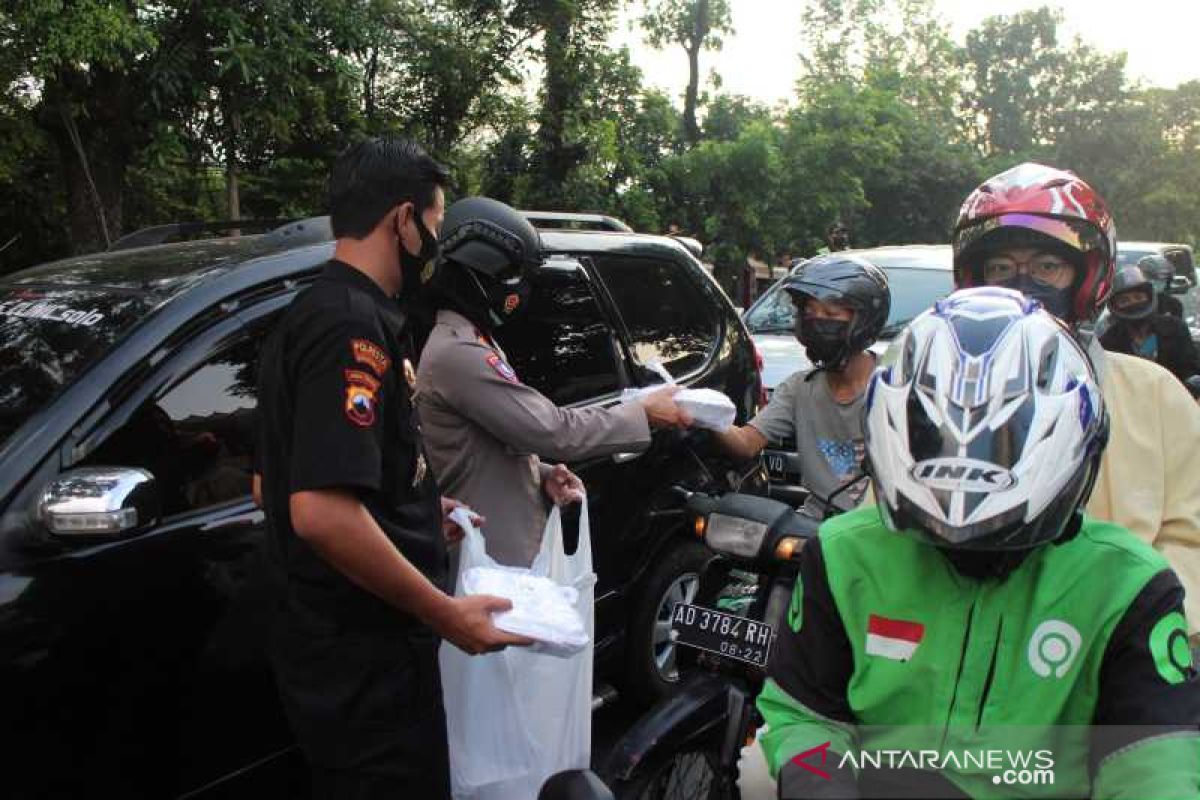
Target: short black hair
[374,176]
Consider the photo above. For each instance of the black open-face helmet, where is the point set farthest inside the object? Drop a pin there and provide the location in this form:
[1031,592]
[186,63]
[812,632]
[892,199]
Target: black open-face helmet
[1133,296]
[491,251]
[490,237]
[848,280]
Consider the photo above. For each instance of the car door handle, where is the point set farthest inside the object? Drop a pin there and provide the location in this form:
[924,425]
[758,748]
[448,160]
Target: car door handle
[624,458]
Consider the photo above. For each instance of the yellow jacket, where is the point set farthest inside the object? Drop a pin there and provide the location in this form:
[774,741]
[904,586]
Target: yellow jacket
[1149,479]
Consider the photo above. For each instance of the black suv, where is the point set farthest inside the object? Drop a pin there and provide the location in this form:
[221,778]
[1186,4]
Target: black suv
[134,586]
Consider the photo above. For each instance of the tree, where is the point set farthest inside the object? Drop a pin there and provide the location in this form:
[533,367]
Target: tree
[1027,90]
[695,25]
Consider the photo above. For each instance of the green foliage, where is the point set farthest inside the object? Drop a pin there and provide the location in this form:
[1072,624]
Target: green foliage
[140,113]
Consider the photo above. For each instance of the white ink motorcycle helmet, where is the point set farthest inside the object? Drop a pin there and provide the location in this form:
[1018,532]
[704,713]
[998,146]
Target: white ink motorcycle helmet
[987,431]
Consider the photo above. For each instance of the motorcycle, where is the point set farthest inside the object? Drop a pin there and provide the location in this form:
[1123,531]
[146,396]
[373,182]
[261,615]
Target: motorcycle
[689,745]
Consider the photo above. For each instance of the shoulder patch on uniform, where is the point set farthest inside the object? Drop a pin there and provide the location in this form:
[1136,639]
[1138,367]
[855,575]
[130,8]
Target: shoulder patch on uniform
[361,397]
[367,352]
[502,369]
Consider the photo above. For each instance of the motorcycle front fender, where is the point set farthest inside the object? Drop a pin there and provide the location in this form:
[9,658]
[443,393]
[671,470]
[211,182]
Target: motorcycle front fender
[701,709]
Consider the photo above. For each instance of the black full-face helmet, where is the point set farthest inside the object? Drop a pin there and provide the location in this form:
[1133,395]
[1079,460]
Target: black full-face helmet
[490,251]
[847,280]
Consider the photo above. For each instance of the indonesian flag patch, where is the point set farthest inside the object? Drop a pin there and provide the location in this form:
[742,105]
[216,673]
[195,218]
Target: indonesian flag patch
[893,638]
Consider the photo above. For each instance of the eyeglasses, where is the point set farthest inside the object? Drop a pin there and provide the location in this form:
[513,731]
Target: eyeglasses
[1043,269]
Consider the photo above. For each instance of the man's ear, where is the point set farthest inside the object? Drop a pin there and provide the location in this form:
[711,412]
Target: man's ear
[404,213]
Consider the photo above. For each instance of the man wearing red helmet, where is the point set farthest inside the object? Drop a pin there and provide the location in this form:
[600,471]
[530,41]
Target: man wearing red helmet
[1049,234]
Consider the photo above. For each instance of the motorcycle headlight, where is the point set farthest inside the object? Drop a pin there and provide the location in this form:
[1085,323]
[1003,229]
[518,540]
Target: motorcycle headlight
[735,536]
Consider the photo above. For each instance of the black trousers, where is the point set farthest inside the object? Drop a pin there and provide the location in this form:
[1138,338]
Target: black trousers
[366,708]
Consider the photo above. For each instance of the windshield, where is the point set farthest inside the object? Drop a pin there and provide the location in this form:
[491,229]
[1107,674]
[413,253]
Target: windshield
[49,336]
[913,291]
[1130,258]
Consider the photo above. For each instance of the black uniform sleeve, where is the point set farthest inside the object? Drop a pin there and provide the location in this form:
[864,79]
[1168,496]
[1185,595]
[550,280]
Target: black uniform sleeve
[1148,683]
[343,378]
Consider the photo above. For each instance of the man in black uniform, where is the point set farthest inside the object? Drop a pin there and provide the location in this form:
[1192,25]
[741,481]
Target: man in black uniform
[353,511]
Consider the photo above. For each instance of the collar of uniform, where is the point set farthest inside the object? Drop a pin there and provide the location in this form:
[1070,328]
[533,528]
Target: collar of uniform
[387,307]
[465,329]
[341,272]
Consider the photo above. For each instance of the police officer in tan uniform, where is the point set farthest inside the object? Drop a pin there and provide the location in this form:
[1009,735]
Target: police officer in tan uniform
[486,432]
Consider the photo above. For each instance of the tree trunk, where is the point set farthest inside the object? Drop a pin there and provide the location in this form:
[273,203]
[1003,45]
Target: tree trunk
[562,85]
[369,77]
[94,206]
[691,129]
[233,126]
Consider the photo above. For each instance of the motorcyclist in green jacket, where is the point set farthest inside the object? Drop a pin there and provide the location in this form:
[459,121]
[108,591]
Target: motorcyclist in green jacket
[974,634]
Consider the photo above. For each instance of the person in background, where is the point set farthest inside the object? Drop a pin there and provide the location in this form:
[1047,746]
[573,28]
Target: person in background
[842,303]
[1140,328]
[1047,233]
[837,238]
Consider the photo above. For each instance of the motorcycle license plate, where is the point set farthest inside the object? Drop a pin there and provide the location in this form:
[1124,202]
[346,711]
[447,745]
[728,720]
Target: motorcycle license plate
[775,466]
[724,634]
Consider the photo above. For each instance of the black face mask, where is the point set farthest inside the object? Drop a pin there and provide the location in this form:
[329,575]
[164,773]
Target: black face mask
[416,271]
[504,299]
[824,340]
[1057,301]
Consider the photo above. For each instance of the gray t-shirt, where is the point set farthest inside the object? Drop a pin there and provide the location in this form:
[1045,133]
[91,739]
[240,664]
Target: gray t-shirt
[829,437]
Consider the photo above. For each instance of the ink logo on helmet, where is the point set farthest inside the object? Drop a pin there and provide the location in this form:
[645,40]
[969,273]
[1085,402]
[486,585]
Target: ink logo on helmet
[962,475]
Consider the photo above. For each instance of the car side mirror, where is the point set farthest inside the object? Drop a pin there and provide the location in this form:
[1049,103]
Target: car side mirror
[99,501]
[1180,285]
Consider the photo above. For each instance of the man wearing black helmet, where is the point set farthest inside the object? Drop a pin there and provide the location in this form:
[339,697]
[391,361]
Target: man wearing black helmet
[486,431]
[1140,328]
[841,303]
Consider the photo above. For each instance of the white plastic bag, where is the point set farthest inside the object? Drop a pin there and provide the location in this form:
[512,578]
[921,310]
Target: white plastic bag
[709,408]
[541,609]
[516,717]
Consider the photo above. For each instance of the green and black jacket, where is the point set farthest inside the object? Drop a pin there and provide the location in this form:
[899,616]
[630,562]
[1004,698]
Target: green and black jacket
[887,646]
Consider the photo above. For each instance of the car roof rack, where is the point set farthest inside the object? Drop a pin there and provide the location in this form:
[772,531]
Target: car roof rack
[179,231]
[565,220]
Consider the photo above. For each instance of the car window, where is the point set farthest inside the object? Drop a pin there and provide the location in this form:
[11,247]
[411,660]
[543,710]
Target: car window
[914,291]
[562,345]
[1130,258]
[49,336]
[196,438]
[668,318]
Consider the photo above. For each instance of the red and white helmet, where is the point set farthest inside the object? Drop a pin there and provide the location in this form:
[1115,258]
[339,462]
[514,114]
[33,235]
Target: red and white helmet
[1033,204]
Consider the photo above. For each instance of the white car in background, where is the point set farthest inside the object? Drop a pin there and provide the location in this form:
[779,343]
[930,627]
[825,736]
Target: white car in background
[918,275]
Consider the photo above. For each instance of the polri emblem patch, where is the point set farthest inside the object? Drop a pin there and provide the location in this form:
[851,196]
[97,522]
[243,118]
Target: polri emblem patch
[372,355]
[502,369]
[361,397]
